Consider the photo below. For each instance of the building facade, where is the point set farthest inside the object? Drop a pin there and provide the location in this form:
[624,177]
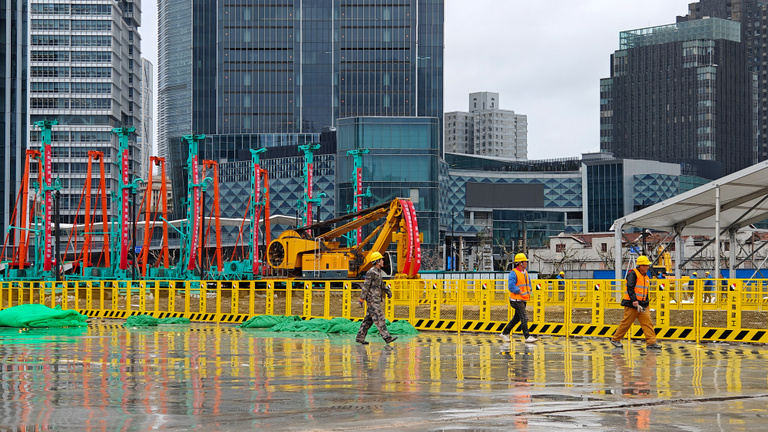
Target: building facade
[265,68]
[486,129]
[517,206]
[146,136]
[14,67]
[402,162]
[753,17]
[85,73]
[682,93]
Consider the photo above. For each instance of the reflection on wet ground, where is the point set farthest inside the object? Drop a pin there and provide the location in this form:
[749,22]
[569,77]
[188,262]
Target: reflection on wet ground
[218,377]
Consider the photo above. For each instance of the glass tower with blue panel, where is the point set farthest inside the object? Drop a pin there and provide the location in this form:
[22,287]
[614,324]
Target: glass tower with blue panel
[295,67]
[402,162]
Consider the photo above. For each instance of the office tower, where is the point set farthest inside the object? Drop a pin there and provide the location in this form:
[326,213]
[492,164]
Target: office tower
[753,17]
[261,74]
[146,138]
[487,129]
[85,73]
[682,93]
[14,64]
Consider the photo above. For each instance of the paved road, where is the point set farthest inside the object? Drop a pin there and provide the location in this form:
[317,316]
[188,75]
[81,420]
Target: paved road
[218,377]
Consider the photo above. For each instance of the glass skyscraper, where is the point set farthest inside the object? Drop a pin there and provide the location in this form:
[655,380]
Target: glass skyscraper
[14,33]
[682,93]
[293,67]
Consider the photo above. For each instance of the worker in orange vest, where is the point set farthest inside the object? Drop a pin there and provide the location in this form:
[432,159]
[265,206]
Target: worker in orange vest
[635,301]
[519,286]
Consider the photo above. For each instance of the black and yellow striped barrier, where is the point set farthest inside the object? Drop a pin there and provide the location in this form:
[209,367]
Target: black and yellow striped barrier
[735,311]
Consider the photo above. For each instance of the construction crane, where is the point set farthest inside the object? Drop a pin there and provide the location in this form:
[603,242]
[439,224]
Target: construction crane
[300,253]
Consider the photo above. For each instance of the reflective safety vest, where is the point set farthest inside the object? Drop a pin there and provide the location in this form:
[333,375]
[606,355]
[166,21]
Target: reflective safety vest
[642,287]
[523,284]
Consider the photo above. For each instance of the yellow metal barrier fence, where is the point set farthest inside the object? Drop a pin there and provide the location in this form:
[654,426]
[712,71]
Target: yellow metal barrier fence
[726,310]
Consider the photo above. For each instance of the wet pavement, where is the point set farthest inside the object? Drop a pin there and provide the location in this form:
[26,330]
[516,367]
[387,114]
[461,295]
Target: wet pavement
[218,378]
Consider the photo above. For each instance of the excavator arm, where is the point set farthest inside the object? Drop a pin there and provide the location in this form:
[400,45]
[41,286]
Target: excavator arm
[297,251]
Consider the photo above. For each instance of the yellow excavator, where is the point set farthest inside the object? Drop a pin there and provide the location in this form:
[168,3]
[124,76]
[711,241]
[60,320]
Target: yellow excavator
[300,253]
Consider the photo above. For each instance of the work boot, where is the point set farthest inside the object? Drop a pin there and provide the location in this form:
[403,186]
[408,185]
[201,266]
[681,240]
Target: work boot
[361,342]
[617,344]
[654,346]
[390,339]
[504,337]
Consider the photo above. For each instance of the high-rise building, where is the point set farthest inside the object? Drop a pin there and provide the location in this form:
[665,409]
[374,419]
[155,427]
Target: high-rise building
[284,71]
[146,136]
[14,62]
[753,16]
[85,73]
[486,129]
[682,93]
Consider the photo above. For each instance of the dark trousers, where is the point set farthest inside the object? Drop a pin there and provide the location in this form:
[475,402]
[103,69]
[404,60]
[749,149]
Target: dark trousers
[520,316]
[374,315]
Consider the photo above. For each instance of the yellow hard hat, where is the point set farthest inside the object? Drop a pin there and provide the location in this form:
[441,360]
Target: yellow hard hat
[643,260]
[375,257]
[520,258]
[694,273]
[562,273]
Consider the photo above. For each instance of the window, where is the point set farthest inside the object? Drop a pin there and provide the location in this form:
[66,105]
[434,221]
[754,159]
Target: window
[98,41]
[91,72]
[78,103]
[50,56]
[49,87]
[91,25]
[560,248]
[603,247]
[91,9]
[50,40]
[92,56]
[49,72]
[50,9]
[49,103]
[50,24]
[101,88]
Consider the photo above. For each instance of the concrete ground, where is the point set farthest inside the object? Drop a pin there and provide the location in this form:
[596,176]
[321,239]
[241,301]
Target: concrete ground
[221,378]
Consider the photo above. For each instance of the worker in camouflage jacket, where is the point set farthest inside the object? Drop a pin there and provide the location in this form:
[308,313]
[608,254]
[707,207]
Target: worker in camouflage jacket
[374,290]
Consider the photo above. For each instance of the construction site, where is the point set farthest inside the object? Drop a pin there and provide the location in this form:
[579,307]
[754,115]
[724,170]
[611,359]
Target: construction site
[454,374]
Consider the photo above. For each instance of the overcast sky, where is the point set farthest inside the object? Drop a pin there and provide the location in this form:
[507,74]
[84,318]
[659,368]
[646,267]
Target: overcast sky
[545,58]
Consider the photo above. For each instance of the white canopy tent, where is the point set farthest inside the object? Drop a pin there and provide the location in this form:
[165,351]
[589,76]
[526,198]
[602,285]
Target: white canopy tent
[720,207]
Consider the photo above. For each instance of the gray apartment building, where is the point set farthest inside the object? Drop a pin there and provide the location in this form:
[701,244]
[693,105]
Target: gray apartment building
[487,130]
[85,73]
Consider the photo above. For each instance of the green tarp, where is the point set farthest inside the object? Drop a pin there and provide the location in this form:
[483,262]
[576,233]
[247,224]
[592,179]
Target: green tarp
[278,323]
[37,315]
[150,321]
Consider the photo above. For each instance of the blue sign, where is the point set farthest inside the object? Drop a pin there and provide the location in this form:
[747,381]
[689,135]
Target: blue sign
[137,250]
[634,250]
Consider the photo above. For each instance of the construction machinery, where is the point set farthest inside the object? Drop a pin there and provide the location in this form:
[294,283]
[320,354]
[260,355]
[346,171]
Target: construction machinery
[299,253]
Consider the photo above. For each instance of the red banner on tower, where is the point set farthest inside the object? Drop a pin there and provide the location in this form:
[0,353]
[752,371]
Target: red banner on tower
[195,222]
[309,194]
[256,216]
[124,240]
[359,175]
[47,264]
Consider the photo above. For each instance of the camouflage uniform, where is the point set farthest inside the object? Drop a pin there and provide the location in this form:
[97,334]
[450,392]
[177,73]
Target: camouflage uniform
[374,292]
